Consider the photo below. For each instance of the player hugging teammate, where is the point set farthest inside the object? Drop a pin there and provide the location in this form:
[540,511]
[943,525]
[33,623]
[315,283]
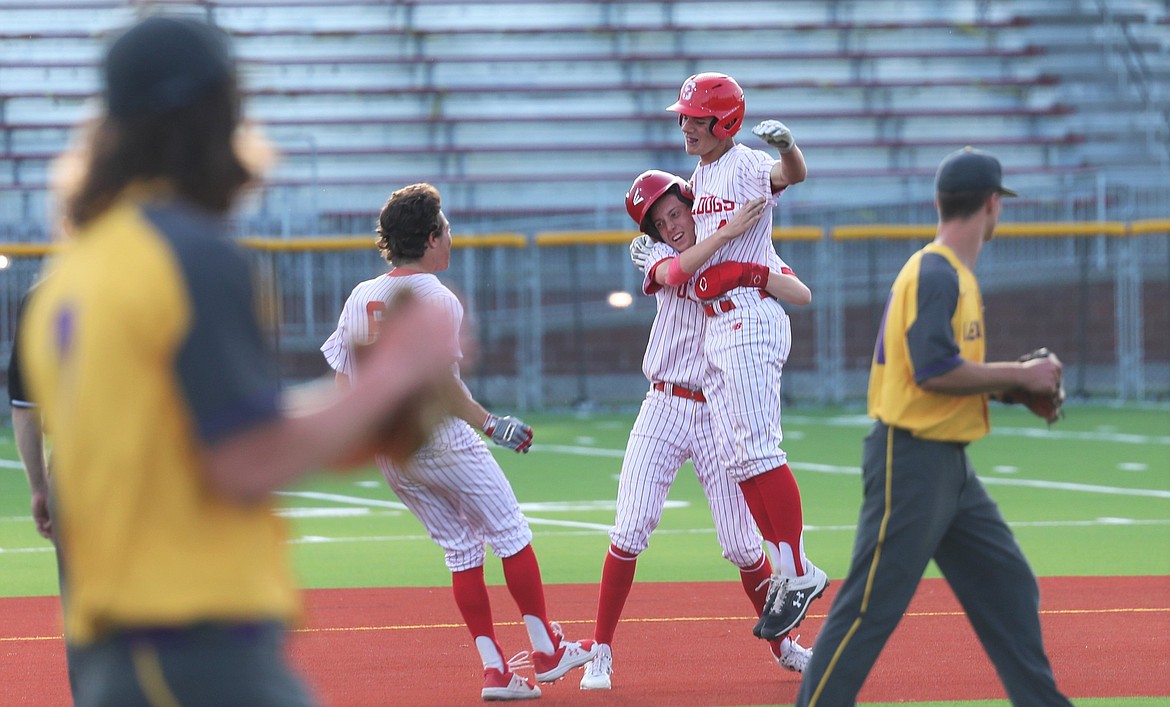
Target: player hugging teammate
[717,349]
[748,333]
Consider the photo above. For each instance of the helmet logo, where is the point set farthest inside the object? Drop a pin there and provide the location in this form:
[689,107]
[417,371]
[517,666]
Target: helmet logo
[688,90]
[638,196]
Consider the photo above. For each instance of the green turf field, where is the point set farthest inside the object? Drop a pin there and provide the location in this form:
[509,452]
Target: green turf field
[1091,496]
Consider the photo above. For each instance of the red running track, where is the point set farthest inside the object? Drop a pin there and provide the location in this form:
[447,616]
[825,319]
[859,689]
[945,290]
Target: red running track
[681,644]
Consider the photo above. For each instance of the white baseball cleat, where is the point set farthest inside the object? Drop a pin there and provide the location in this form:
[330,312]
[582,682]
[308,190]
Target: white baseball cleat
[598,670]
[500,686]
[551,667]
[793,656]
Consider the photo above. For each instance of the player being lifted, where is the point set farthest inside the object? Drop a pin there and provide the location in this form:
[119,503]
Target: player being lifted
[674,424]
[453,485]
[748,333]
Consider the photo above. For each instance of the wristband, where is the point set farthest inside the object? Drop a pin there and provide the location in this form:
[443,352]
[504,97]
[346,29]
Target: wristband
[675,275]
[754,275]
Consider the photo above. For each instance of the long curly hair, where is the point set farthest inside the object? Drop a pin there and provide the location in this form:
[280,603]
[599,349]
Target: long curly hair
[192,150]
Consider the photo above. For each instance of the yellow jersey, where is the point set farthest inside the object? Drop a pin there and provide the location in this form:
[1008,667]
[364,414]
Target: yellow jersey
[142,347]
[932,323]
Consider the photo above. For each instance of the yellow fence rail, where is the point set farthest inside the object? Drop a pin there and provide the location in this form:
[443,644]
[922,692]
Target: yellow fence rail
[1042,229]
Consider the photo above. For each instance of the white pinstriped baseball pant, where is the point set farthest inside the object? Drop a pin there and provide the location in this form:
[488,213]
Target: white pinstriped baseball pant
[668,431]
[746,349]
[463,499]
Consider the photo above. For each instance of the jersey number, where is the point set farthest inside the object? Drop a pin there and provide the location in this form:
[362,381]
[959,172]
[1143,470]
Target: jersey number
[374,312]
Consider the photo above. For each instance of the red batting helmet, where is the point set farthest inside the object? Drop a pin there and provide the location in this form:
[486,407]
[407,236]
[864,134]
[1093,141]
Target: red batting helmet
[646,190]
[714,95]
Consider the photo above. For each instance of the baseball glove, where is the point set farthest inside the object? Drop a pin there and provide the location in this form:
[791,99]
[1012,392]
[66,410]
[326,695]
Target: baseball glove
[405,430]
[402,433]
[1047,406]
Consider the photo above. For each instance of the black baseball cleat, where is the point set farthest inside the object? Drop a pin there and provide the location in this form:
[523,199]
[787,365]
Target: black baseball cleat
[788,601]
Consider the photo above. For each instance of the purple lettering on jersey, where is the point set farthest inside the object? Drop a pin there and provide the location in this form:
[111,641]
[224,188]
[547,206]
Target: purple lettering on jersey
[63,329]
[879,349]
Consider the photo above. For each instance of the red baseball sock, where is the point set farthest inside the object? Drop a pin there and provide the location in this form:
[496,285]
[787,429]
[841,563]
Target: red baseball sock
[758,507]
[522,574]
[782,498]
[774,646]
[752,579]
[472,599]
[617,577]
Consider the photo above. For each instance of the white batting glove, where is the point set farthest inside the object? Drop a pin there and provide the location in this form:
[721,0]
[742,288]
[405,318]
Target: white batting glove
[775,134]
[640,250]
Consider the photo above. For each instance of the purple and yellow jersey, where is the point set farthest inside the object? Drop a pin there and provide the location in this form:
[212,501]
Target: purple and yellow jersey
[933,322]
[142,348]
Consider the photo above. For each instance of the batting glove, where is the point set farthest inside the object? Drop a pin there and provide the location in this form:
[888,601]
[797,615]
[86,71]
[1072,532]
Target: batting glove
[640,250]
[775,134]
[508,431]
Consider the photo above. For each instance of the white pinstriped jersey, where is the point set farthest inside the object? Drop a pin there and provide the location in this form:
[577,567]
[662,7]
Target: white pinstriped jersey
[722,188]
[362,312]
[674,353]
[359,321]
[746,347]
[670,430]
[674,350]
[776,263]
[453,485]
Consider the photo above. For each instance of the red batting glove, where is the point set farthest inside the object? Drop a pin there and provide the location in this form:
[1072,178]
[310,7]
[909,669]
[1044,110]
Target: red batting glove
[720,279]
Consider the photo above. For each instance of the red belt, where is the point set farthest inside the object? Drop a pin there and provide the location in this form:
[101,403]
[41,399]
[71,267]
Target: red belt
[726,305]
[678,390]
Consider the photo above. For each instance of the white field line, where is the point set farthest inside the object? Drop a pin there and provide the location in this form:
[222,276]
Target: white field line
[853,470]
[320,539]
[1032,432]
[843,421]
[359,501]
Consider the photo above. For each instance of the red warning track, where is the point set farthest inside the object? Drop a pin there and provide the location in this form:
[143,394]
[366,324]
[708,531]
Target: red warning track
[683,644]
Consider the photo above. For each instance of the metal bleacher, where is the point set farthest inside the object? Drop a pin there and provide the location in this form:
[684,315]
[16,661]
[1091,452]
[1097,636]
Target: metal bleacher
[529,113]
[533,117]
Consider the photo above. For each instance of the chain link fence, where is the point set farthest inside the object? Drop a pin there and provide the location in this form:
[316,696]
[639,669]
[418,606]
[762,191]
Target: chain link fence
[1065,272]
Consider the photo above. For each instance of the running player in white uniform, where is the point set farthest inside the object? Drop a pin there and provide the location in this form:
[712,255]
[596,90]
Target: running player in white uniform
[673,424]
[748,335]
[453,484]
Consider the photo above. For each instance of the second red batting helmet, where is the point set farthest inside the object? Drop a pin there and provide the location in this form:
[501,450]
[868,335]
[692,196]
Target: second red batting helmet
[714,95]
[646,190]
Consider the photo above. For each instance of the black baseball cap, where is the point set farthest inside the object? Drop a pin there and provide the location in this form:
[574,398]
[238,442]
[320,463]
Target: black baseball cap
[970,170]
[165,62]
